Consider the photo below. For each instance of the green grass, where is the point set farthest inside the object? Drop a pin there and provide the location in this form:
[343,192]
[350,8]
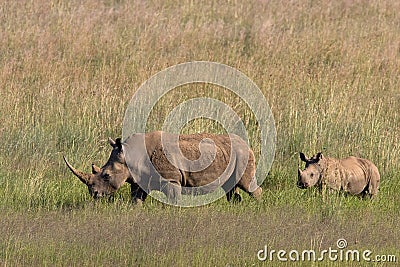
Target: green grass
[329,71]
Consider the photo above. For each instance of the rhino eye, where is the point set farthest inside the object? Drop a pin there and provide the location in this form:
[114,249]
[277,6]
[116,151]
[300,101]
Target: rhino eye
[312,175]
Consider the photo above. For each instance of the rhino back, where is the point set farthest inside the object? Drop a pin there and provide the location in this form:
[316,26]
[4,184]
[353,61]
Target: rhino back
[146,169]
[189,146]
[354,174]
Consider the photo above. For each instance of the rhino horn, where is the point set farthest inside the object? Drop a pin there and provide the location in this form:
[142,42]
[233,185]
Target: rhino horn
[84,177]
[299,172]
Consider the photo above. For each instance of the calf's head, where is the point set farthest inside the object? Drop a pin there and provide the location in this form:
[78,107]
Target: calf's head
[312,172]
[107,180]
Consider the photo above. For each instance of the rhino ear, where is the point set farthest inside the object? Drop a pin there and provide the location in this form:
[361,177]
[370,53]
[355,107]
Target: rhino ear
[118,143]
[112,142]
[303,157]
[319,156]
[95,169]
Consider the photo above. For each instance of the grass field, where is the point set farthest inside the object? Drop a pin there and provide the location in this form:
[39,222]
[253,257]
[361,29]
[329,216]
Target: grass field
[330,70]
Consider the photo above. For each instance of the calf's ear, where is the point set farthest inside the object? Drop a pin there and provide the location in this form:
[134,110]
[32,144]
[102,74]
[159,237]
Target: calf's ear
[303,157]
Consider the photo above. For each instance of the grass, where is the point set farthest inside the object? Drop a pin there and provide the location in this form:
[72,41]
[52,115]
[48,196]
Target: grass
[329,71]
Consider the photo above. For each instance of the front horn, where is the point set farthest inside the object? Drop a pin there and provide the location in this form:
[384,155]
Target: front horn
[84,177]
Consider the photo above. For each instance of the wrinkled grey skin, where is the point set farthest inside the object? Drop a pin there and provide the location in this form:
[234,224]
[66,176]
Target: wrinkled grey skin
[352,175]
[107,180]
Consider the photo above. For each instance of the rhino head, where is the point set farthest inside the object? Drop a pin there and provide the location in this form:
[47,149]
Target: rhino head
[313,171]
[107,180]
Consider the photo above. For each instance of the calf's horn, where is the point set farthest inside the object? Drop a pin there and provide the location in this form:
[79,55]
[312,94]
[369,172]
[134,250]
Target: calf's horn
[299,172]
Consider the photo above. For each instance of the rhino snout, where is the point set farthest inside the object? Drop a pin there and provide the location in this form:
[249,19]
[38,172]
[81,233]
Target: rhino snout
[302,185]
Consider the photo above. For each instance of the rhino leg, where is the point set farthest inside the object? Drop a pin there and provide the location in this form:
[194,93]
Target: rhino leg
[138,194]
[326,191]
[231,190]
[373,186]
[251,187]
[257,194]
[233,195]
[173,191]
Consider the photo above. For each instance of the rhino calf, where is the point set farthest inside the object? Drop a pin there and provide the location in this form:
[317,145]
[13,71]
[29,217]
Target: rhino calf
[153,169]
[352,175]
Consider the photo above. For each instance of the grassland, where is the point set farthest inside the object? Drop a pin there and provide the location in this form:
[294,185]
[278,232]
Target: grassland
[329,70]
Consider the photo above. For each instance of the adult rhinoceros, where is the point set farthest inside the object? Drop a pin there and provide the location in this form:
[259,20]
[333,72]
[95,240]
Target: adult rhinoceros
[198,164]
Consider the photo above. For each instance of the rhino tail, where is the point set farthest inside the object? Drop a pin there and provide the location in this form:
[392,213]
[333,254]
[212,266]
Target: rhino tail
[374,181]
